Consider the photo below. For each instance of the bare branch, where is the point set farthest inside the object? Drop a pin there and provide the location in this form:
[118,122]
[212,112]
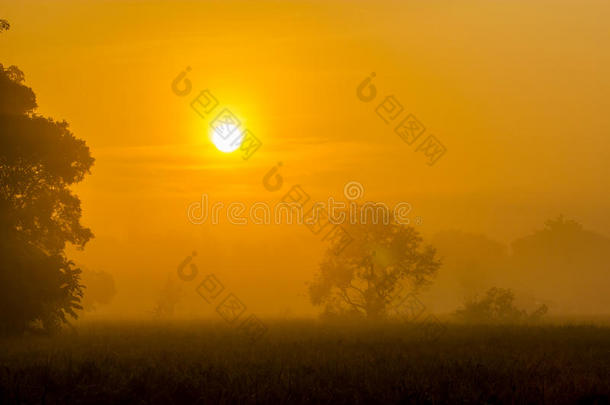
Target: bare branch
[349,301]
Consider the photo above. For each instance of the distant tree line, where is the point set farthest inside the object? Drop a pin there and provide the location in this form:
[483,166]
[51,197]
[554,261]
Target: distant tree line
[562,265]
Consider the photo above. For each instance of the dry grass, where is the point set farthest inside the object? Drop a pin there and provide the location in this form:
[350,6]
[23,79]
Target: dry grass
[308,362]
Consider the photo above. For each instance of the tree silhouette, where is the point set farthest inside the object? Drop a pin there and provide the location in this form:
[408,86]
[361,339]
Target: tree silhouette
[167,299]
[497,306]
[373,271]
[39,160]
[566,261]
[472,263]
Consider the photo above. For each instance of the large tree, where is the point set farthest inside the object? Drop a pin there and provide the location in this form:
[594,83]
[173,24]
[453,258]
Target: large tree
[39,160]
[374,271]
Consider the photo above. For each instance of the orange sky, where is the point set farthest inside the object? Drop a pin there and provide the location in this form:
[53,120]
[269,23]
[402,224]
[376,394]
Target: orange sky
[517,91]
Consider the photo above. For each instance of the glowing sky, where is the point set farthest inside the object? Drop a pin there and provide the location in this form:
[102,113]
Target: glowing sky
[517,91]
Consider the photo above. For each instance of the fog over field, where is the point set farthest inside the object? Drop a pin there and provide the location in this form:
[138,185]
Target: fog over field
[304,202]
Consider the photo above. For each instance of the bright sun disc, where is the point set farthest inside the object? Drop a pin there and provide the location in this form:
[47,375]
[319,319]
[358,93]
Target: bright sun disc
[226,137]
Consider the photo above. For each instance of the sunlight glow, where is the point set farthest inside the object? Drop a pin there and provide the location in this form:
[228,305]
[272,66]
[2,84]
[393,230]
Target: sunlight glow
[226,137]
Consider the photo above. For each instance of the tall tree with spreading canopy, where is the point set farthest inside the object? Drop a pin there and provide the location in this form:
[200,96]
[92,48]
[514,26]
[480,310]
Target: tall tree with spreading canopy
[39,160]
[374,271]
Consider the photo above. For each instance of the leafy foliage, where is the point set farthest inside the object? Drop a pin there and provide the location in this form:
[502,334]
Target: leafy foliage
[367,277]
[4,25]
[39,160]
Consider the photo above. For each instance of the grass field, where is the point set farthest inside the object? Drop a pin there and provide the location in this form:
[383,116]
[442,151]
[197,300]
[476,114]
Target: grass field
[307,362]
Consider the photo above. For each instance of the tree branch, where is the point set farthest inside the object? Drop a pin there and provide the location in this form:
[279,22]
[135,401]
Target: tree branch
[349,301]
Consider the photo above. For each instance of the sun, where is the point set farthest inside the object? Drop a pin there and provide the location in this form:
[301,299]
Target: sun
[226,137]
